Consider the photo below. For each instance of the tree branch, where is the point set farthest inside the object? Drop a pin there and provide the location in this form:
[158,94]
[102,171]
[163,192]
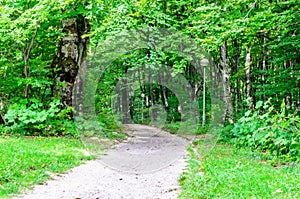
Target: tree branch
[253,5]
[26,57]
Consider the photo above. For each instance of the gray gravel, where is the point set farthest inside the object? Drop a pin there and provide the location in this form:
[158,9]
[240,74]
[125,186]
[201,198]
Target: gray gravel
[146,165]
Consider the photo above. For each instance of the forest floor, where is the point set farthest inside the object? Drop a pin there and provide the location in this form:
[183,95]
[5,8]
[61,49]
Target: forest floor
[146,165]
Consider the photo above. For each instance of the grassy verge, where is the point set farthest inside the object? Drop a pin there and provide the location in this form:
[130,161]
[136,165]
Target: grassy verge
[230,173]
[25,161]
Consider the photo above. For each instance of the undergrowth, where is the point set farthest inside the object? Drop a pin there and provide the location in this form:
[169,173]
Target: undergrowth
[276,134]
[230,173]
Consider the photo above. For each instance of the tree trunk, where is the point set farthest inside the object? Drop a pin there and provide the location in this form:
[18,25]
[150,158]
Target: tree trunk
[226,88]
[26,54]
[151,93]
[247,72]
[163,92]
[2,119]
[238,81]
[70,58]
[125,105]
[125,99]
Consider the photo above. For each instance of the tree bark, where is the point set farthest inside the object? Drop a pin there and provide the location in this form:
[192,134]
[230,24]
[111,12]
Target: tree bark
[226,88]
[238,81]
[26,54]
[247,72]
[125,105]
[70,58]
[151,104]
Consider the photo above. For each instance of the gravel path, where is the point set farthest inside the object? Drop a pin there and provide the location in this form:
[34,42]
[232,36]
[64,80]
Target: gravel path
[147,165]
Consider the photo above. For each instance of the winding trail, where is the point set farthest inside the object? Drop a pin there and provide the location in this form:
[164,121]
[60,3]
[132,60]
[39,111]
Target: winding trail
[146,165]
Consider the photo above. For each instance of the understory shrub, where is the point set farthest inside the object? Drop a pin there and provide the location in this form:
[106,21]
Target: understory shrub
[32,118]
[276,133]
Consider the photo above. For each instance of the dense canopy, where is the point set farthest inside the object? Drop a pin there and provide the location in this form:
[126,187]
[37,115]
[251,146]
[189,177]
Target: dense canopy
[254,45]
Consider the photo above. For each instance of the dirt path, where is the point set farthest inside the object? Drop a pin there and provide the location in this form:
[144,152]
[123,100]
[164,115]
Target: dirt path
[147,165]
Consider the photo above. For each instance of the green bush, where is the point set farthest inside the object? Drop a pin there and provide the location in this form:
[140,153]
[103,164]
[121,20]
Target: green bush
[30,117]
[172,127]
[275,133]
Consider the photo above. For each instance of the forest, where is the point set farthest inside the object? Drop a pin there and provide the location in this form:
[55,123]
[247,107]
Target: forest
[81,68]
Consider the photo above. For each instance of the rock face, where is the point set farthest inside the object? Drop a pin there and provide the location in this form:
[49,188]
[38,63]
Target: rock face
[147,165]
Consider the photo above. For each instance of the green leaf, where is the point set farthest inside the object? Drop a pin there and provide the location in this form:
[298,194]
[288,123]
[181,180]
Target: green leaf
[258,104]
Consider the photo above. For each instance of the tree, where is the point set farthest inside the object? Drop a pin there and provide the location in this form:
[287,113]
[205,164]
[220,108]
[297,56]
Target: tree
[70,58]
[254,44]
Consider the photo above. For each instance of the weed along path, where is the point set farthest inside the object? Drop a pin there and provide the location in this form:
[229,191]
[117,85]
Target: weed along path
[146,165]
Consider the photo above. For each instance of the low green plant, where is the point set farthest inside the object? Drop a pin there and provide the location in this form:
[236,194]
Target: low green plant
[187,126]
[275,133]
[30,117]
[172,127]
[88,127]
[230,173]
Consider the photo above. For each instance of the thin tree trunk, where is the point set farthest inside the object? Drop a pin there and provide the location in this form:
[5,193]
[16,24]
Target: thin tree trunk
[247,72]
[163,91]
[26,53]
[226,89]
[131,105]
[2,119]
[238,81]
[125,97]
[151,93]
[125,106]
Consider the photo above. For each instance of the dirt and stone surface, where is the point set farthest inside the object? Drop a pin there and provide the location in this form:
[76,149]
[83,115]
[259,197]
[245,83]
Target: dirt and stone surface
[146,165]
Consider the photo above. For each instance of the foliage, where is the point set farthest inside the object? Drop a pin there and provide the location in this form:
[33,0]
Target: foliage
[28,45]
[273,132]
[262,52]
[172,127]
[230,173]
[96,128]
[26,161]
[36,120]
[268,28]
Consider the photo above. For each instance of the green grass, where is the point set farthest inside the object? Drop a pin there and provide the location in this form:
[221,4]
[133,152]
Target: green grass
[230,173]
[25,161]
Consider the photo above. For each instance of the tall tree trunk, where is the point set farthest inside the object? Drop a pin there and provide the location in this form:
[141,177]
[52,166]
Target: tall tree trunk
[226,88]
[131,103]
[70,58]
[26,54]
[125,105]
[238,81]
[2,119]
[247,72]
[151,92]
[163,93]
[125,99]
